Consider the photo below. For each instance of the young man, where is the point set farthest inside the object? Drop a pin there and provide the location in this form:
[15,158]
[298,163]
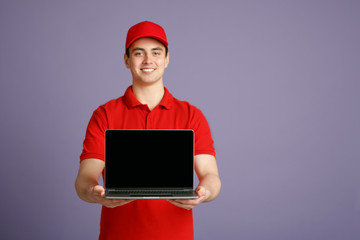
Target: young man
[147,104]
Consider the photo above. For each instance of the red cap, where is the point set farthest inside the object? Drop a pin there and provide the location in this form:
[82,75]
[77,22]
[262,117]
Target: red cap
[145,29]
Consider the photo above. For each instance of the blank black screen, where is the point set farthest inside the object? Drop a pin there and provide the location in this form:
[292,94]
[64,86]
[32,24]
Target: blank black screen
[149,158]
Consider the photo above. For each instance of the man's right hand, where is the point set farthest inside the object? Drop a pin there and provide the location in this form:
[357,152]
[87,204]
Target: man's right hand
[98,195]
[87,186]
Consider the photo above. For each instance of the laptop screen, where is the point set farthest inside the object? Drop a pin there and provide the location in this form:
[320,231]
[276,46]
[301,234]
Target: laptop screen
[149,159]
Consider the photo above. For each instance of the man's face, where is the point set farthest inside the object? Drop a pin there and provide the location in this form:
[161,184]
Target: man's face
[147,61]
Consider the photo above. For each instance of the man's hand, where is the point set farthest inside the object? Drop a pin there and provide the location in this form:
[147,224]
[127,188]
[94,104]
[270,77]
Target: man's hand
[209,182]
[87,186]
[191,203]
[98,194]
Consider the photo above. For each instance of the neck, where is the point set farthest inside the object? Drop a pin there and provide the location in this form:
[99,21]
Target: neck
[150,94]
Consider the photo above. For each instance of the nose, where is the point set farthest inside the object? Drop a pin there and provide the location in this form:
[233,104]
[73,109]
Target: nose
[147,59]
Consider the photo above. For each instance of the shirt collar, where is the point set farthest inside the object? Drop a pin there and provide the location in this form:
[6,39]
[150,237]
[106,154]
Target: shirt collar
[132,102]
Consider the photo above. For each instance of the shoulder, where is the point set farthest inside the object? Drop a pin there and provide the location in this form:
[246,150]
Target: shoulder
[185,105]
[109,110]
[111,105]
[193,114]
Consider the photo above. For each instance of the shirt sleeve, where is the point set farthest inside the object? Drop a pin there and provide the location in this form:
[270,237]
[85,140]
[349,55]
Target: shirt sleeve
[94,143]
[204,143]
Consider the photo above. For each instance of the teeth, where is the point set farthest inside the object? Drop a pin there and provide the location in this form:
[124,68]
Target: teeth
[148,70]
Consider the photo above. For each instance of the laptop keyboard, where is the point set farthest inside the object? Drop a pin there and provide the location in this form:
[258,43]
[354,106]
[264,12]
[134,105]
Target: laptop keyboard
[150,192]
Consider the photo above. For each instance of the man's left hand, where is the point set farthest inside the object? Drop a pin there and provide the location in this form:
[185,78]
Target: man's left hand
[191,203]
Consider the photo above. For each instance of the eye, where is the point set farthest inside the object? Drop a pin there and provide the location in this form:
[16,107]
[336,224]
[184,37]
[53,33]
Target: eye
[138,53]
[157,53]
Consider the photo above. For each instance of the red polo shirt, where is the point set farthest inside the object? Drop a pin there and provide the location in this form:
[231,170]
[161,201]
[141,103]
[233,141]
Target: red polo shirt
[146,219]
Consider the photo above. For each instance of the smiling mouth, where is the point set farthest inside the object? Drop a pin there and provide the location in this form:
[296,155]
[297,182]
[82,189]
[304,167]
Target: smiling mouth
[147,69]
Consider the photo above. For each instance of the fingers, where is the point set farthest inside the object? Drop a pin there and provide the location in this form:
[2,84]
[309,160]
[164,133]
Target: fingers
[186,203]
[98,193]
[112,203]
[181,205]
[191,203]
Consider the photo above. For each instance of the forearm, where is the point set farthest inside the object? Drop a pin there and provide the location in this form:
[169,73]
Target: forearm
[212,184]
[84,187]
[89,173]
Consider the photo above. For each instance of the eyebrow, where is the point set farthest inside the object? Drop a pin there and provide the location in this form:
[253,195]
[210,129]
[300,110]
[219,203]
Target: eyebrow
[142,49]
[157,49]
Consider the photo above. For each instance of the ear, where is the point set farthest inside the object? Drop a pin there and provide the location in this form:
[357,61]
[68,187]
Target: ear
[167,59]
[126,60]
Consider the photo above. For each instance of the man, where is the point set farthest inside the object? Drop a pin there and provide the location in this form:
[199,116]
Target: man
[147,104]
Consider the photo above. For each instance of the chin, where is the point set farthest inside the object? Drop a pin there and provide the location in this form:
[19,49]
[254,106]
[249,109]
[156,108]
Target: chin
[148,82]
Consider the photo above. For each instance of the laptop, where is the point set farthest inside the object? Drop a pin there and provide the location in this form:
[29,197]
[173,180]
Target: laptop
[149,164]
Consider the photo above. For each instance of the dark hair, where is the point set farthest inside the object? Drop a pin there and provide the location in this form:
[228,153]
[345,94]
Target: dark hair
[128,51]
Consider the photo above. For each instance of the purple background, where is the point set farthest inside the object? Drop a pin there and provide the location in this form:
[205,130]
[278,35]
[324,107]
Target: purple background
[278,81]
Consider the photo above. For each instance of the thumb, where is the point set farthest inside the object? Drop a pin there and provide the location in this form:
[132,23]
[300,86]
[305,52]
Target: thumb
[99,190]
[200,190]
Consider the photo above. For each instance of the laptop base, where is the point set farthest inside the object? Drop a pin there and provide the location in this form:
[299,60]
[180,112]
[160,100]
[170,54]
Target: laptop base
[115,194]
